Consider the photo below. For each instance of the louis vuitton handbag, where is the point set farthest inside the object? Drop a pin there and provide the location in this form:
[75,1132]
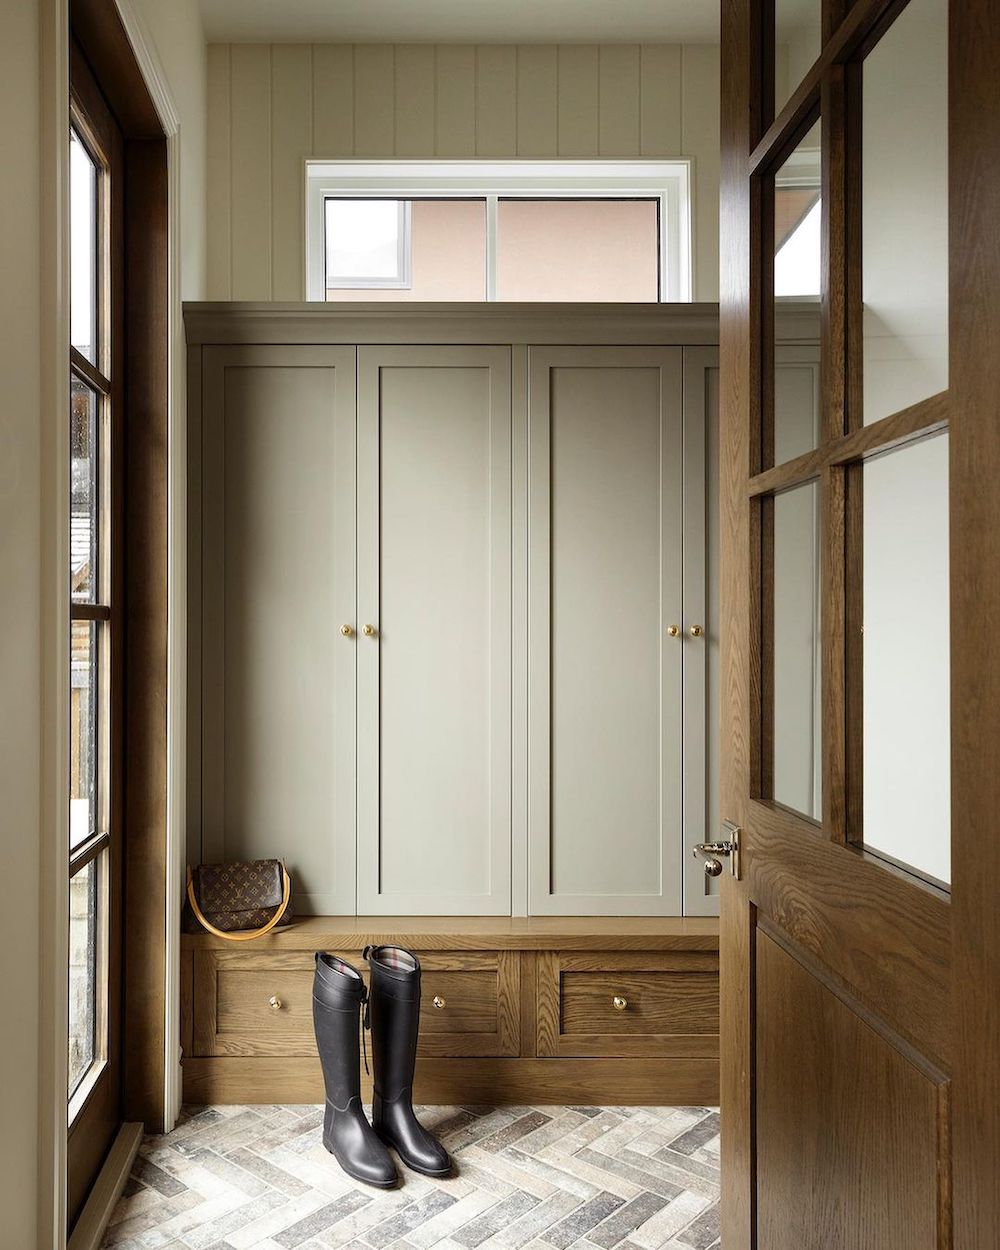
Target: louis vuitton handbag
[238,902]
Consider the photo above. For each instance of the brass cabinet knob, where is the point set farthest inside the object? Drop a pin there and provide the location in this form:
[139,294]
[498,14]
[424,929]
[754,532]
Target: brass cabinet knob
[274,1002]
[369,631]
[346,630]
[438,1002]
[673,631]
[619,1003]
[696,631]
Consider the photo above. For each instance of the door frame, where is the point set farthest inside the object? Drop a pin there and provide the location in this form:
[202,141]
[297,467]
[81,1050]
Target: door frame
[965,933]
[142,67]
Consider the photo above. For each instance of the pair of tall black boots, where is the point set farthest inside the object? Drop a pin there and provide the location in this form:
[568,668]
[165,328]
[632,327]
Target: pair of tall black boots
[392,1007]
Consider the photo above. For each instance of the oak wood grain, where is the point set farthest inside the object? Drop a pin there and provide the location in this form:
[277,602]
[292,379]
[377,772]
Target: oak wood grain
[874,1166]
[621,1082]
[921,419]
[233,1011]
[492,933]
[974,371]
[672,1004]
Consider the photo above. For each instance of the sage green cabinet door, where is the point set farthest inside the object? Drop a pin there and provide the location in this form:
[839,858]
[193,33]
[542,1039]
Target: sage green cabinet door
[278,582]
[434,674]
[605,516]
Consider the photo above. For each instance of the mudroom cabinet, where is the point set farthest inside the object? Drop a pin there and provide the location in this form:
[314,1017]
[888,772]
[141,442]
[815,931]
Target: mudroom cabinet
[451,630]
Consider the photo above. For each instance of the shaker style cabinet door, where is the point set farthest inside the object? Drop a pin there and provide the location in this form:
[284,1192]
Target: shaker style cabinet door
[434,613]
[277,724]
[606,630]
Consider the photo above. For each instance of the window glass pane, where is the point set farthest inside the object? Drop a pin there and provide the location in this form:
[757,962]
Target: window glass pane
[797,41]
[447,254]
[797,702]
[578,250]
[907,684]
[83,249]
[84,462]
[83,953]
[797,210]
[364,243]
[84,696]
[905,211]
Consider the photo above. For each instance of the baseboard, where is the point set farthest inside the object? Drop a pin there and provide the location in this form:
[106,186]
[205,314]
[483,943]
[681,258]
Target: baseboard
[619,1082]
[88,1231]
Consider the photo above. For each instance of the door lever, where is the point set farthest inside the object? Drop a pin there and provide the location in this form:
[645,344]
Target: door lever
[728,847]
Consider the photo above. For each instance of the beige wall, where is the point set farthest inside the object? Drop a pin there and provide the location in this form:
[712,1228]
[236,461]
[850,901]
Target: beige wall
[20,641]
[272,106]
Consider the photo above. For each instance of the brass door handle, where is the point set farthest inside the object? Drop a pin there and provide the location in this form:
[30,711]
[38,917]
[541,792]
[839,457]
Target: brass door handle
[347,631]
[369,631]
[696,631]
[619,1003]
[673,631]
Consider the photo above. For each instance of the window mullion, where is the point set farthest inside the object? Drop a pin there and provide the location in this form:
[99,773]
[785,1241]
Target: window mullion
[492,213]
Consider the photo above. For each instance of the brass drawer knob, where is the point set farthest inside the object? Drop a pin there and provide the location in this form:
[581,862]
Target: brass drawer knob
[696,631]
[438,1002]
[369,631]
[673,631]
[274,1002]
[346,630]
[619,1003]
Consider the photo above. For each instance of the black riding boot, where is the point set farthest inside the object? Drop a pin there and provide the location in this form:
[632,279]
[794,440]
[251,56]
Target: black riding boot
[338,995]
[395,1017]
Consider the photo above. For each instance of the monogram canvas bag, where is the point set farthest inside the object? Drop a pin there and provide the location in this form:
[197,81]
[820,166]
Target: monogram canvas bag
[238,902]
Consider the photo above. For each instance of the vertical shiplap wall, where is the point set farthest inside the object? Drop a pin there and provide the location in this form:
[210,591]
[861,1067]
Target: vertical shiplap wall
[270,107]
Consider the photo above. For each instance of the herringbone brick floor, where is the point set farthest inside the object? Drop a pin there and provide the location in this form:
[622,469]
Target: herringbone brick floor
[526,1178]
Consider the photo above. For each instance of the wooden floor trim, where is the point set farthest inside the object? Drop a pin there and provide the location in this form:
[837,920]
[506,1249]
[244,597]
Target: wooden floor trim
[88,1232]
[618,1082]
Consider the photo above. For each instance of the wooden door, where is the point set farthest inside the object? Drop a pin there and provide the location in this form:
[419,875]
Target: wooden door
[434,651]
[860,980]
[277,624]
[607,631]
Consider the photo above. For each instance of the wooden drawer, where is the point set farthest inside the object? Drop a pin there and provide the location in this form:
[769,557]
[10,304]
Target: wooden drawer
[671,1004]
[470,1003]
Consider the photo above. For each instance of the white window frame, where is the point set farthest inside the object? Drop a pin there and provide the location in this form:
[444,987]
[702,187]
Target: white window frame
[668,182]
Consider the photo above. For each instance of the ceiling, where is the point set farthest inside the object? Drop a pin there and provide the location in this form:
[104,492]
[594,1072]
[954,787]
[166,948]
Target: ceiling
[461,21]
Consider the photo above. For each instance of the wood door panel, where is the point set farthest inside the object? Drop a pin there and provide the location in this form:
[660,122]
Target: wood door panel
[841,911]
[873,1169]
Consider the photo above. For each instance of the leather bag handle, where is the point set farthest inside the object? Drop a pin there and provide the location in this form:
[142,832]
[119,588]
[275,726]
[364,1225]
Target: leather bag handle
[243,935]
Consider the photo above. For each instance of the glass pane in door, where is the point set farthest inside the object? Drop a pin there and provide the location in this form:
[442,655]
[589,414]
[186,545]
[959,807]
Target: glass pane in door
[907,779]
[797,282]
[83,248]
[905,211]
[83,957]
[797,714]
[797,30]
[84,697]
[84,469]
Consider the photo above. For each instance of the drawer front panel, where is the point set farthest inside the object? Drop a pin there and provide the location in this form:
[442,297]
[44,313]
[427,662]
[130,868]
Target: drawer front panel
[260,1003]
[628,1005]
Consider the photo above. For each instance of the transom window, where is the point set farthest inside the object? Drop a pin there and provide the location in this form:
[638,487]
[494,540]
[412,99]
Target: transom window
[611,231]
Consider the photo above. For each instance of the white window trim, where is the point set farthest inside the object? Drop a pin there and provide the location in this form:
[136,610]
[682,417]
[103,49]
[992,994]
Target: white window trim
[669,182]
